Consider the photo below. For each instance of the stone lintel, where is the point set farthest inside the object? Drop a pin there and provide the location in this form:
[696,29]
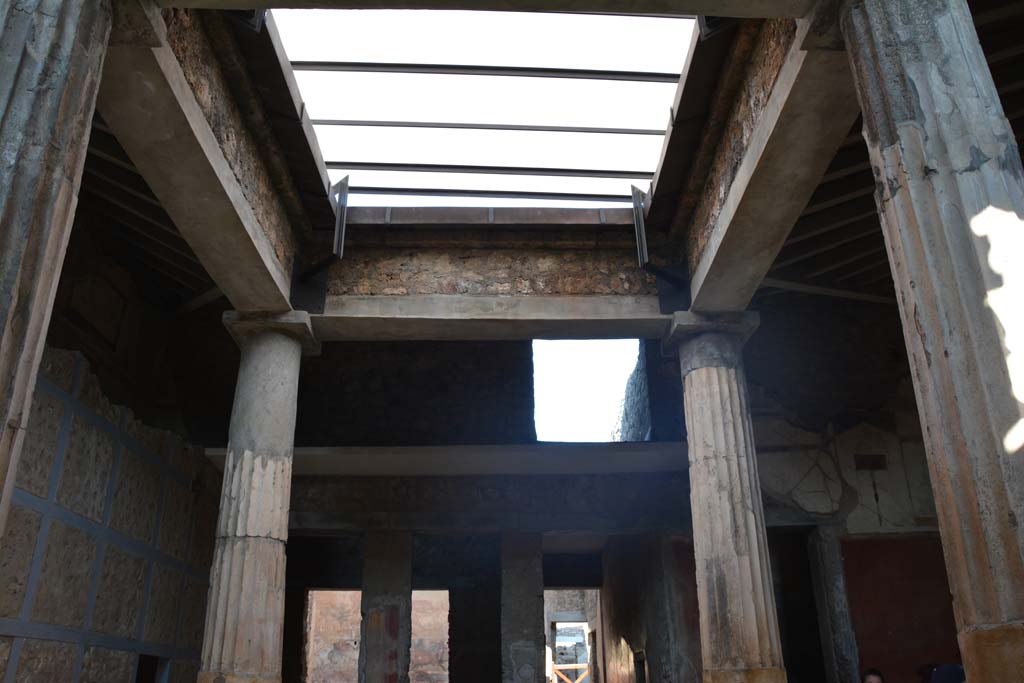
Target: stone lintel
[293,323]
[465,317]
[146,100]
[686,325]
[794,138]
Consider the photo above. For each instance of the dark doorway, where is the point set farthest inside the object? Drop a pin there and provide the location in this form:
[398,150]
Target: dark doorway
[794,600]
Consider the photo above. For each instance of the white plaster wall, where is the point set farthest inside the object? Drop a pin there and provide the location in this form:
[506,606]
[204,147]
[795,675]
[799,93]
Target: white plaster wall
[810,471]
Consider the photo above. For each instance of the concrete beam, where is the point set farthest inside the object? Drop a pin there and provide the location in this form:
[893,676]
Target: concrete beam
[146,101]
[808,115]
[516,459]
[370,318]
[721,8]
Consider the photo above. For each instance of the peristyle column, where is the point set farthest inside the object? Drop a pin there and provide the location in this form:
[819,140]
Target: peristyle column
[838,639]
[522,608]
[386,628]
[950,192]
[738,626]
[245,610]
[51,57]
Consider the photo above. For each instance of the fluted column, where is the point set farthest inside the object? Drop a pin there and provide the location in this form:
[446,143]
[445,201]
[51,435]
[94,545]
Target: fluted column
[738,627]
[51,57]
[245,610]
[950,192]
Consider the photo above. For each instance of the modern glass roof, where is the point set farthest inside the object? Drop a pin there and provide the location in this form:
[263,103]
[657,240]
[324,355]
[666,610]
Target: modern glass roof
[451,108]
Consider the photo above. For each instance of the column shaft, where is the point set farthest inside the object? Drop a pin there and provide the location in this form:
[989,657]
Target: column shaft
[739,629]
[838,640]
[386,629]
[522,609]
[51,57]
[245,610]
[950,192]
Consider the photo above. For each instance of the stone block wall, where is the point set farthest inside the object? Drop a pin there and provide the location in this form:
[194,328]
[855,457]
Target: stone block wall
[108,546]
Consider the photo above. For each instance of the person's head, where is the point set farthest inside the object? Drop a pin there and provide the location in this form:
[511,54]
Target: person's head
[872,676]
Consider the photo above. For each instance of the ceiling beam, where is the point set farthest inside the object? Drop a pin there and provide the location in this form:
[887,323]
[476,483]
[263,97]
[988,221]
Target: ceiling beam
[518,459]
[721,8]
[147,103]
[808,116]
[458,317]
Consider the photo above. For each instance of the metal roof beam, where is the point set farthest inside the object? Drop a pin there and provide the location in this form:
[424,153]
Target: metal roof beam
[498,194]
[482,70]
[598,130]
[494,170]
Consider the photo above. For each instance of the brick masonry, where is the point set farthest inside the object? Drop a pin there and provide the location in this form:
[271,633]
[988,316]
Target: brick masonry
[489,272]
[108,547]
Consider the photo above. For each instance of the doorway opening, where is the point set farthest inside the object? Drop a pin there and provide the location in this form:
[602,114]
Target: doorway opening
[571,629]
[333,622]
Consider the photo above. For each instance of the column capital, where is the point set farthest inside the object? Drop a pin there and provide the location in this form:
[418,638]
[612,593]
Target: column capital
[708,339]
[295,324]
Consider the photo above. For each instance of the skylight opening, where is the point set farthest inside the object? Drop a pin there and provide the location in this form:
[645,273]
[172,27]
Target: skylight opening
[404,135]
[579,388]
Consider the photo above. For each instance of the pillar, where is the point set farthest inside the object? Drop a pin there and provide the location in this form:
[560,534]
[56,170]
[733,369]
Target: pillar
[738,626]
[838,640]
[245,610]
[950,192]
[522,609]
[386,628]
[51,57]
[474,633]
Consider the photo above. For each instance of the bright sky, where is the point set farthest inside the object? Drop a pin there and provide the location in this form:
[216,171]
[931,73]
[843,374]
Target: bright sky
[578,387]
[491,39]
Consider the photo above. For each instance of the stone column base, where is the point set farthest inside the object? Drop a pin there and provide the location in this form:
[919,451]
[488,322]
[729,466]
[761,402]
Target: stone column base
[773,675]
[993,654]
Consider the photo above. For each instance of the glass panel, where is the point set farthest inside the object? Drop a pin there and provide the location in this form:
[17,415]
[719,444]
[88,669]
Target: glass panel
[487,38]
[575,41]
[489,148]
[485,99]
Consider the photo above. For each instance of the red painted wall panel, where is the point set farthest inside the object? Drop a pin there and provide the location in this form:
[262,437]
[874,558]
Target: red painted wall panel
[901,606]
